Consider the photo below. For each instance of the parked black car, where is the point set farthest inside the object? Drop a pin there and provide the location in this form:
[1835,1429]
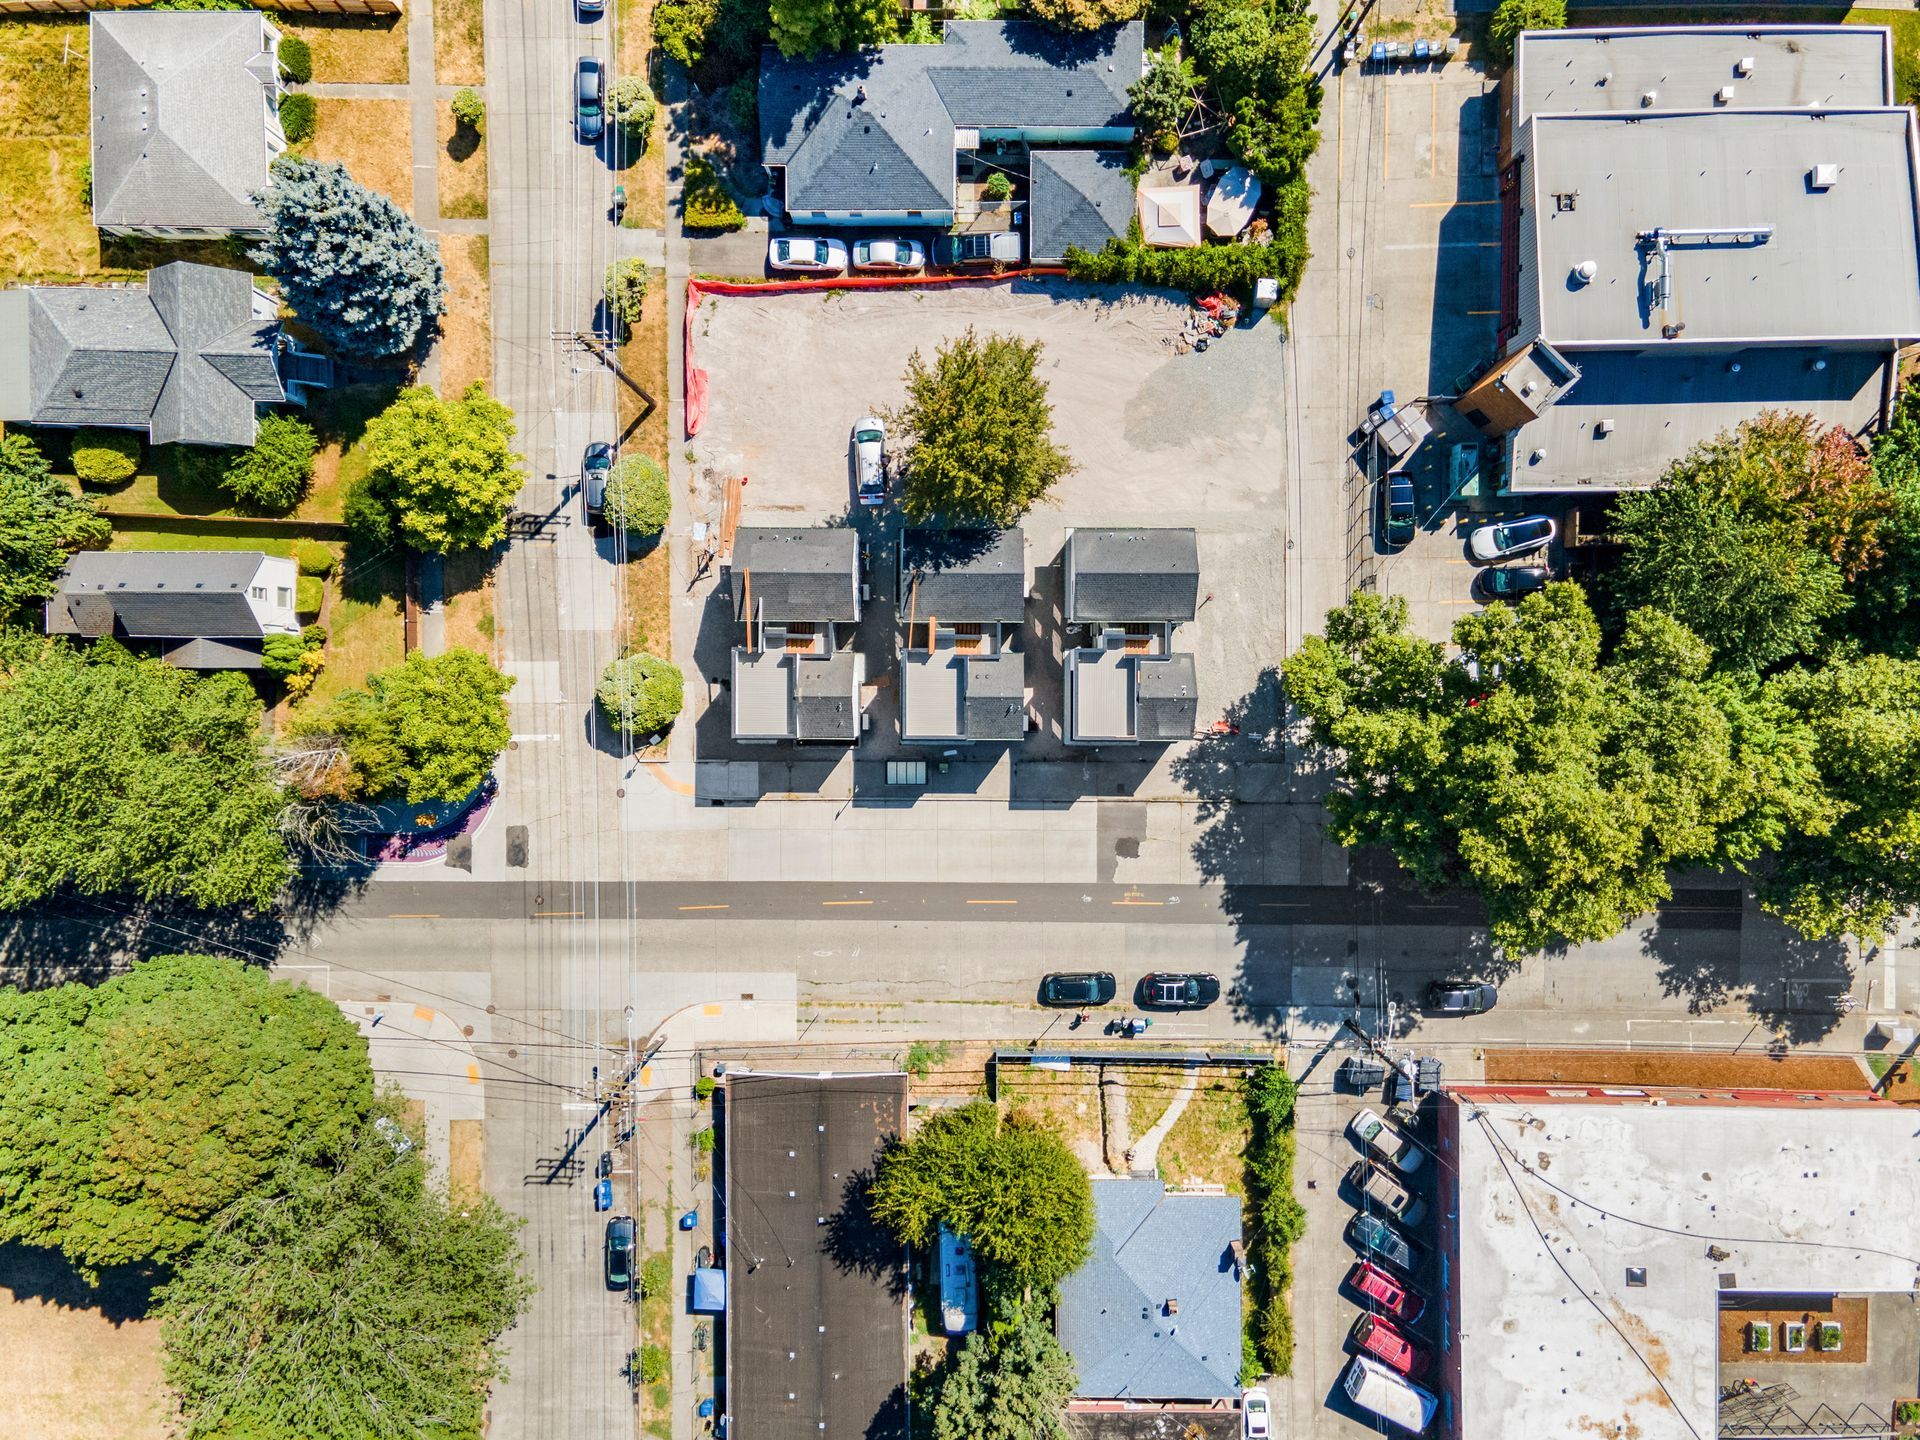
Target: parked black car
[1161,991]
[1510,582]
[1075,990]
[1378,1241]
[620,1253]
[1460,997]
[1396,499]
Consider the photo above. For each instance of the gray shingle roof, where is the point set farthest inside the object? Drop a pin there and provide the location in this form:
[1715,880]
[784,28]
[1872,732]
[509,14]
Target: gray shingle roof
[1166,698]
[1079,197]
[188,359]
[157,595]
[823,698]
[1132,575]
[796,574]
[1148,1248]
[968,576]
[180,117]
[996,696]
[893,150]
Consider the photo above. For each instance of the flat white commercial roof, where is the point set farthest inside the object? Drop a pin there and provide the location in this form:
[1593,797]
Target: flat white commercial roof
[1562,71]
[1840,263]
[1557,1199]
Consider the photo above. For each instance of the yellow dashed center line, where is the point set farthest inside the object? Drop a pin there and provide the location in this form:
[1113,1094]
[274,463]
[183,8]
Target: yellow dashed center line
[703,907]
[993,902]
[846,902]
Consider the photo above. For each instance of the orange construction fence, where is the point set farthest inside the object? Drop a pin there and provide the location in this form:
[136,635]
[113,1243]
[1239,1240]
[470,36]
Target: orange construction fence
[696,288]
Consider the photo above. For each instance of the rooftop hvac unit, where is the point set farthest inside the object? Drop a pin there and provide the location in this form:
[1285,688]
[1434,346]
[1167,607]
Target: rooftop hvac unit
[1744,66]
[1724,95]
[1823,177]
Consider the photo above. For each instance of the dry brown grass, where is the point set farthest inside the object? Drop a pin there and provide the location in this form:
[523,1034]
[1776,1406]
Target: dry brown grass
[352,49]
[373,139]
[46,231]
[71,1371]
[466,331]
[463,169]
[459,48]
[1068,1101]
[470,600]
[649,606]
[644,174]
[1209,1140]
[466,1159]
[1693,1071]
[644,357]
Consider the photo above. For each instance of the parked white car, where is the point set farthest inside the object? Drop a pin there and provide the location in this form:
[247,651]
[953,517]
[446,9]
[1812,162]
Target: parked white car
[869,460]
[809,253]
[1511,537]
[1372,1132]
[1256,1415]
[893,256]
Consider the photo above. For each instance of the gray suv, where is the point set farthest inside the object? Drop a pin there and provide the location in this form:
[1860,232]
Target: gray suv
[589,98]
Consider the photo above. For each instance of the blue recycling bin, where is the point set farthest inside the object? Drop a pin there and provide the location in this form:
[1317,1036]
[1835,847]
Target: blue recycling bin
[690,1220]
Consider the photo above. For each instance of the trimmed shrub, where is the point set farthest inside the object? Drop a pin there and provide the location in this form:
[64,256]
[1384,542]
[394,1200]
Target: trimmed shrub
[703,1140]
[638,499]
[633,107]
[1275,1219]
[105,457]
[998,187]
[655,1362]
[627,290]
[469,110]
[369,519]
[312,589]
[1510,17]
[299,117]
[313,558]
[1086,14]
[709,204]
[1209,267]
[704,1087]
[86,183]
[641,694]
[275,473]
[296,59]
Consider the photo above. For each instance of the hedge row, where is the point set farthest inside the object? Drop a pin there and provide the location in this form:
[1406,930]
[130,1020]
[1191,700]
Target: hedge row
[1274,1219]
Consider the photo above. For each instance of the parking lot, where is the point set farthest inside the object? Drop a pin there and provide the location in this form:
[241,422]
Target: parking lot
[1158,437]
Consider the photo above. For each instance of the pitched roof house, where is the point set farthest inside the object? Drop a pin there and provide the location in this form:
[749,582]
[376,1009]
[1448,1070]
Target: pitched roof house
[1154,1314]
[874,136]
[797,677]
[207,609]
[187,360]
[1129,590]
[962,602]
[186,120]
[1081,198]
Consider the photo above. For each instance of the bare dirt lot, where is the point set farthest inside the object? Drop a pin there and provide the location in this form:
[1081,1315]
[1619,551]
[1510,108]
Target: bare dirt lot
[78,1364]
[1615,1067]
[1159,437]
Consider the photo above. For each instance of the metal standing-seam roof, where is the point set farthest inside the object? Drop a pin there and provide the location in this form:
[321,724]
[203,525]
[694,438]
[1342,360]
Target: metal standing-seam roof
[1080,198]
[183,130]
[875,130]
[1149,1248]
[189,359]
[801,575]
[1132,575]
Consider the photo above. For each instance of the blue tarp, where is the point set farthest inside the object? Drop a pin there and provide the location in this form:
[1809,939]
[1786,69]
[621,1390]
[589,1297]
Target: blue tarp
[709,1292]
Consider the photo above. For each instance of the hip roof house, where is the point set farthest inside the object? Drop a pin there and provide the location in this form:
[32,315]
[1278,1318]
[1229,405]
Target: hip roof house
[207,609]
[187,360]
[185,120]
[1698,225]
[872,137]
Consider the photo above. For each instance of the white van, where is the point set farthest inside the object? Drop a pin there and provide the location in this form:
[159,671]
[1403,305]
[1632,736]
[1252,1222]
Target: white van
[1374,1387]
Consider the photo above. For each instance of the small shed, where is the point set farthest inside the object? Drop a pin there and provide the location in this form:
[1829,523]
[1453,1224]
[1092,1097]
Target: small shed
[1230,206]
[1170,216]
[709,1292]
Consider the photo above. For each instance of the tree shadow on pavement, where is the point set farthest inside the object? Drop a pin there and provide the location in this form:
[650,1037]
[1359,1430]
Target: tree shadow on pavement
[1789,983]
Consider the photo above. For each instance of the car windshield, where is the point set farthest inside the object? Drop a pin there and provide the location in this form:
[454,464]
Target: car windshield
[819,252]
[868,437]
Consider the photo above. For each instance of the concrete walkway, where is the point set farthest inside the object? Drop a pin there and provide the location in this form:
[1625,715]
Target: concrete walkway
[1146,1150]
[433,605]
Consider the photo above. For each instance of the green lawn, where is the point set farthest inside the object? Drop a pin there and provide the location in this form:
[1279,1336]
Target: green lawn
[365,628]
[1905,25]
[133,537]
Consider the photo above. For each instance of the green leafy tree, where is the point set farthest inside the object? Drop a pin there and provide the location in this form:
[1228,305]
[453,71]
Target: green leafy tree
[119,773]
[979,430]
[132,1111]
[823,27]
[1009,1383]
[1750,537]
[469,110]
[344,1299]
[638,498]
[1087,14]
[1010,1186]
[275,473]
[448,714]
[626,288]
[445,468]
[1510,17]
[1557,788]
[350,750]
[1885,615]
[1860,873]
[640,694]
[1256,57]
[1163,98]
[350,262]
[631,102]
[42,522]
[105,457]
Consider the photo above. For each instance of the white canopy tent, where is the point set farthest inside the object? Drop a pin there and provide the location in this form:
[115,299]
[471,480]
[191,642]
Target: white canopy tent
[1170,216]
